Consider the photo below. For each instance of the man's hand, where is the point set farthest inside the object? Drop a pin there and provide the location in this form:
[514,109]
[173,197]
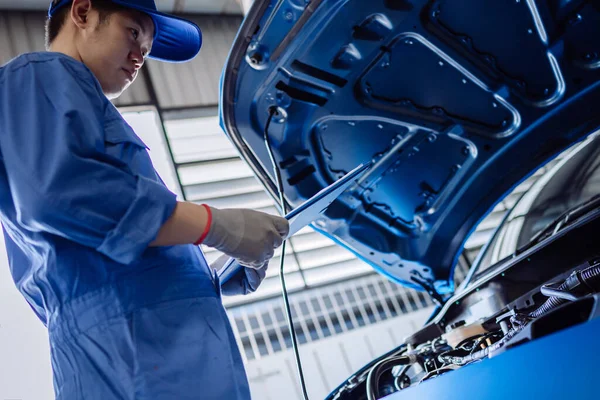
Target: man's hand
[249,236]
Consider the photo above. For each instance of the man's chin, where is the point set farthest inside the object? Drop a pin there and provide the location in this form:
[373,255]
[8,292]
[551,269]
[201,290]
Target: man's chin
[116,92]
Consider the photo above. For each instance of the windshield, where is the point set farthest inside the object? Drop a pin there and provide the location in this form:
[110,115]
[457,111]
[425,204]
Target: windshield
[571,183]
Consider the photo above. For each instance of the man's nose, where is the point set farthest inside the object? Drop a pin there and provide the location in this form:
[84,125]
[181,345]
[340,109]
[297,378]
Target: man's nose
[137,58]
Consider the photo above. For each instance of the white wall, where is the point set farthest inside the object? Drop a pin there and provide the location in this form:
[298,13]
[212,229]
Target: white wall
[328,362]
[25,372]
[246,5]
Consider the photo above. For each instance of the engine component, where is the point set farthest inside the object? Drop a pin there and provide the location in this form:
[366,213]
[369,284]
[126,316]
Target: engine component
[438,372]
[401,380]
[384,366]
[458,335]
[565,316]
[579,283]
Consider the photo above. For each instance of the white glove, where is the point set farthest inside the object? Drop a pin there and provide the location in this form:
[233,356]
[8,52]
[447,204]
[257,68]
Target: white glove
[249,236]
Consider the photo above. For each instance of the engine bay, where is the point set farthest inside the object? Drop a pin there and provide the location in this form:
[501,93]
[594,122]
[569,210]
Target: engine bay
[541,291]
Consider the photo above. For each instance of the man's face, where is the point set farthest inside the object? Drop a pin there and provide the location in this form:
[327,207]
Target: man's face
[115,50]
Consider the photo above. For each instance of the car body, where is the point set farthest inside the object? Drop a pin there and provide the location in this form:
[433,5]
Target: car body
[454,103]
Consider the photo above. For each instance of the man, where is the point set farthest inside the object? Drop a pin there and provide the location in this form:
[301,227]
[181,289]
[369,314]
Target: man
[101,250]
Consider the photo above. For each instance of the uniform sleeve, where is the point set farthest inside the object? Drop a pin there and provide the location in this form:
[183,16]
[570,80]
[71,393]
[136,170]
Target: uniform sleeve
[61,179]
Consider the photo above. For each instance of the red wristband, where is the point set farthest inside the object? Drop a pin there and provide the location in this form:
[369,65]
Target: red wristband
[207,228]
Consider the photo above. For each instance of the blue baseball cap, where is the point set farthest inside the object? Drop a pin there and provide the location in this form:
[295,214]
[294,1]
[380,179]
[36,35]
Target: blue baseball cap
[175,39]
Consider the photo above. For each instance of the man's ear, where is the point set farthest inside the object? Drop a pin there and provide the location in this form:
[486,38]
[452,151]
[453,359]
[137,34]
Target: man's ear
[80,13]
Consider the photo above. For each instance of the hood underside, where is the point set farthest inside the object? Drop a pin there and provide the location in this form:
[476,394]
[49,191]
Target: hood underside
[454,103]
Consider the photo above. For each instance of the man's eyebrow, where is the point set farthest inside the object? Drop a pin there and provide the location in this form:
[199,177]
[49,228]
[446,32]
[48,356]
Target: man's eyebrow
[137,18]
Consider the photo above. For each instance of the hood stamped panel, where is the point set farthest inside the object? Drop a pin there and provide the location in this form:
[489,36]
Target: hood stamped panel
[454,101]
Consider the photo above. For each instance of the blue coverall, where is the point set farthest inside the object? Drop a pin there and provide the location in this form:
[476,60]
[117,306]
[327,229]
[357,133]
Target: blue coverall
[80,201]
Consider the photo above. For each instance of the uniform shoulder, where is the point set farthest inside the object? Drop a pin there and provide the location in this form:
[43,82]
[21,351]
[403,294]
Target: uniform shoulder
[53,69]
[51,64]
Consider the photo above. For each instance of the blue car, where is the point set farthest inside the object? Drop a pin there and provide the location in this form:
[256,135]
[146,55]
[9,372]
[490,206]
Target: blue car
[453,104]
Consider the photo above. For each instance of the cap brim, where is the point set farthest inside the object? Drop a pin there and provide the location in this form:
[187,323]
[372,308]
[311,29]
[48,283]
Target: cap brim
[175,39]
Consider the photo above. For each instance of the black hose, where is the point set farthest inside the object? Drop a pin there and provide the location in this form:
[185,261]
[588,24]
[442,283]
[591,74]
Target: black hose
[398,380]
[286,301]
[379,369]
[591,276]
[579,282]
[550,304]
[549,291]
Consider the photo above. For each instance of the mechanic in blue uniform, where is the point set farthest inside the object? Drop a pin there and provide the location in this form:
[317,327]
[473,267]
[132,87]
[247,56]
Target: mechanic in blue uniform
[98,246]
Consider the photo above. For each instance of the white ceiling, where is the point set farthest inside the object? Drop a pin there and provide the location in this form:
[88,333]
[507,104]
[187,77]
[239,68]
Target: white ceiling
[179,6]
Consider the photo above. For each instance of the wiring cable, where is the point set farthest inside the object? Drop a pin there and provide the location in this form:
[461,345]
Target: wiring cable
[286,301]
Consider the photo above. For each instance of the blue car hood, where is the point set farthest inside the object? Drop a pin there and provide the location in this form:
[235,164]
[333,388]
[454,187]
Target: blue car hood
[454,103]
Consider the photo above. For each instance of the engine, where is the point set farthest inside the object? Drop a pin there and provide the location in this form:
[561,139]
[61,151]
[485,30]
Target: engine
[465,337]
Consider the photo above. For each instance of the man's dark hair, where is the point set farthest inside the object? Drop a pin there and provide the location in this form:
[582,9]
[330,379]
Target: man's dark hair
[54,24]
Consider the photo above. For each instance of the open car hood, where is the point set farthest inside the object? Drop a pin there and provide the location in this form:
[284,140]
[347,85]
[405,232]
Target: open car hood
[454,103]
